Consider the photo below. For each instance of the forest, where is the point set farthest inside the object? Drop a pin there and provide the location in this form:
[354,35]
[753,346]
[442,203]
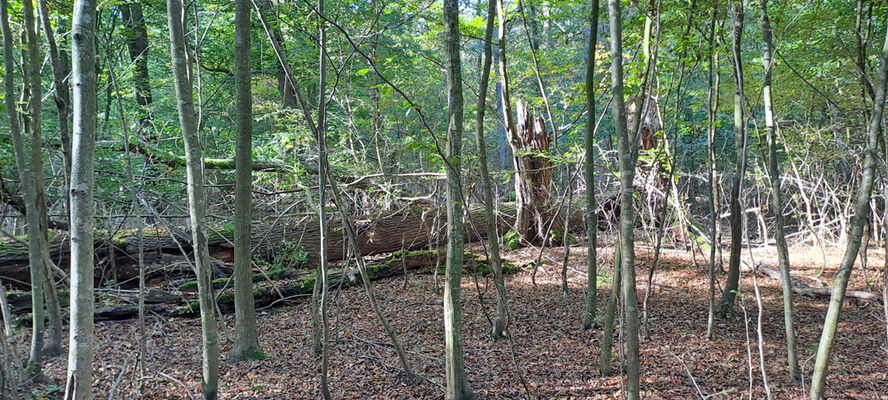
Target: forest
[474,199]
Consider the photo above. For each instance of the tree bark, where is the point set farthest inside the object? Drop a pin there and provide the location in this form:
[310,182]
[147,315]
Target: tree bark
[82,332]
[862,207]
[31,174]
[533,176]
[733,282]
[626,144]
[607,343]
[182,77]
[590,217]
[776,197]
[501,320]
[713,81]
[322,203]
[246,333]
[457,385]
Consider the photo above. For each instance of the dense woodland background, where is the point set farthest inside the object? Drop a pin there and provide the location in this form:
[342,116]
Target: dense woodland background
[271,199]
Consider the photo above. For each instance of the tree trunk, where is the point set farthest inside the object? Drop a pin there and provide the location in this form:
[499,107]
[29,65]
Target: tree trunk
[607,343]
[533,176]
[733,282]
[628,155]
[501,320]
[457,385]
[246,334]
[137,43]
[30,175]
[713,80]
[83,78]
[62,97]
[181,65]
[776,200]
[53,346]
[590,217]
[830,325]
[322,203]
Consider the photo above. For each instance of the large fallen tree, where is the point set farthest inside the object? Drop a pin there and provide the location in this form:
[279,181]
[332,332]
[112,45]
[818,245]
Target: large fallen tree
[414,228]
[269,291]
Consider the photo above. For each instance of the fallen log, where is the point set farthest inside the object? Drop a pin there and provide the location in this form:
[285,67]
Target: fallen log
[805,289]
[274,293]
[408,230]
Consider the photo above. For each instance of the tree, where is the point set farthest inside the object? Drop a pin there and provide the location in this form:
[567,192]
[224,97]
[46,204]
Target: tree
[28,185]
[53,345]
[322,202]
[628,155]
[83,78]
[591,218]
[733,282]
[457,385]
[182,81]
[501,320]
[776,200]
[246,335]
[861,211]
[137,43]
[713,81]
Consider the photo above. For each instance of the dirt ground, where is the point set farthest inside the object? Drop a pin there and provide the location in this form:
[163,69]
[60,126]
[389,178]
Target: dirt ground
[555,359]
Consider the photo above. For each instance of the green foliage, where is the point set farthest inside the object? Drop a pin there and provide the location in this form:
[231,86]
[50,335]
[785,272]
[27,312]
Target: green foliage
[512,240]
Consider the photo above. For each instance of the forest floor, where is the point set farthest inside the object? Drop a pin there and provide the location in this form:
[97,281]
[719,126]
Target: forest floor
[555,358]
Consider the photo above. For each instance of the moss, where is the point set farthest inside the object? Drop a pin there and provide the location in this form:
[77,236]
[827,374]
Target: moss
[190,285]
[251,354]
[221,232]
[273,274]
[512,240]
[509,268]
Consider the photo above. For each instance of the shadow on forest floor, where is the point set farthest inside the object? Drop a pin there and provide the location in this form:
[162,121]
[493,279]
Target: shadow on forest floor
[557,360]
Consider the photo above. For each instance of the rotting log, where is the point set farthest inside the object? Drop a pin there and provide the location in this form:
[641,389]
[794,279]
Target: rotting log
[409,230]
[275,292]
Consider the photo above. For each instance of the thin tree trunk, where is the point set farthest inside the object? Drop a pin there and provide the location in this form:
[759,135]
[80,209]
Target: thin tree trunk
[137,44]
[246,334]
[182,76]
[53,345]
[591,217]
[28,184]
[607,344]
[733,282]
[861,211]
[626,143]
[62,97]
[506,104]
[322,201]
[776,200]
[143,333]
[713,80]
[457,385]
[53,342]
[501,320]
[83,79]
[347,228]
